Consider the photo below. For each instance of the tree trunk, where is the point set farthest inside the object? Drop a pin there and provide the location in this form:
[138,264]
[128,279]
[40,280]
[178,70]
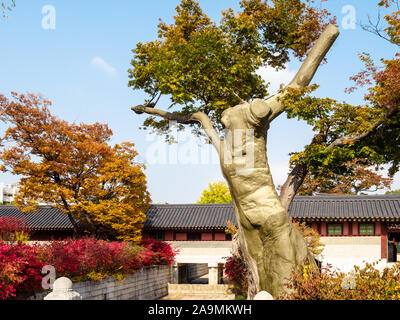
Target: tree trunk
[271,246]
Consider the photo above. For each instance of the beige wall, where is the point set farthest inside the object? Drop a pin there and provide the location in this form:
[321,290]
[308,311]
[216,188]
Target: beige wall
[345,252]
[202,251]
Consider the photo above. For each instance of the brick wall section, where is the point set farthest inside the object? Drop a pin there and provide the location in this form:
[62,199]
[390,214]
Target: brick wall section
[146,284]
[196,270]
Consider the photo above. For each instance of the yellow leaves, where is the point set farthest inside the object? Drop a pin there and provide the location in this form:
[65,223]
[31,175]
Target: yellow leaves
[230,228]
[72,167]
[217,193]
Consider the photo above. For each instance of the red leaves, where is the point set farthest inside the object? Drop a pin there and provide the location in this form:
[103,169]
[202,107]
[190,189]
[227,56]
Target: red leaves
[163,252]
[11,227]
[83,259]
[235,271]
[20,270]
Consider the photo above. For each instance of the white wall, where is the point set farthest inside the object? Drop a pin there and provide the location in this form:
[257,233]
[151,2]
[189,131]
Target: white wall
[345,252]
[202,251]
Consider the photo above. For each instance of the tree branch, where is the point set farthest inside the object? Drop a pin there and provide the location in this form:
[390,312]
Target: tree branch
[197,117]
[272,106]
[296,177]
[293,182]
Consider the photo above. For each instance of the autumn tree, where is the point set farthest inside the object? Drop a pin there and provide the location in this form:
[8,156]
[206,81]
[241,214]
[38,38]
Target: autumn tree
[208,70]
[100,188]
[359,179]
[217,192]
[374,142]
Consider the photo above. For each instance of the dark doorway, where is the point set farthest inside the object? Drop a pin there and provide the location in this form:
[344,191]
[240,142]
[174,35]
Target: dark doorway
[182,273]
[393,246]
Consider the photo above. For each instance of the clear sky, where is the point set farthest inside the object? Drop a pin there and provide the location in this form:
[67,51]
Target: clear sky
[81,66]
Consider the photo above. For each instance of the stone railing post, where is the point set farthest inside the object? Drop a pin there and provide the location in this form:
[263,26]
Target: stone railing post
[62,290]
[212,273]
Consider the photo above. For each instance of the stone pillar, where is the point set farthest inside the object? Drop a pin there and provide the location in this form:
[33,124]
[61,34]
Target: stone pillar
[62,290]
[175,273]
[213,273]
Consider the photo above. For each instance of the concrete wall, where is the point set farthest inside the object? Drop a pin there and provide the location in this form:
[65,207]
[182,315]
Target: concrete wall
[345,252]
[146,284]
[196,270]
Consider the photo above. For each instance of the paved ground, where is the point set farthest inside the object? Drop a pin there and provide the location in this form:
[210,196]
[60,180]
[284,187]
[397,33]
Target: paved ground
[211,296]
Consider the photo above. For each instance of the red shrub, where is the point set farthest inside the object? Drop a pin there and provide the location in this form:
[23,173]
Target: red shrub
[13,229]
[74,258]
[235,271]
[83,259]
[20,271]
[163,252]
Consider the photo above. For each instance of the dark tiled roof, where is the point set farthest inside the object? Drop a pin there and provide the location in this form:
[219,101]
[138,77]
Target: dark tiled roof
[215,216]
[189,216]
[45,218]
[320,207]
[384,207]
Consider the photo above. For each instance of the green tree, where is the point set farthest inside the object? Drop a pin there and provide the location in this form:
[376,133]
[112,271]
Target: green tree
[209,71]
[393,191]
[208,67]
[217,192]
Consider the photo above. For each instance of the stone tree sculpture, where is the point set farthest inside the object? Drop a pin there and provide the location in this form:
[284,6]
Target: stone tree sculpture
[271,246]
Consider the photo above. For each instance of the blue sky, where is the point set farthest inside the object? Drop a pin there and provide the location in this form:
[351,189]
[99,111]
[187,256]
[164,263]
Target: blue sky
[82,65]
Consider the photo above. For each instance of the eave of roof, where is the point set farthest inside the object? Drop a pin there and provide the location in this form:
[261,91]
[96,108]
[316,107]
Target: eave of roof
[45,218]
[304,208]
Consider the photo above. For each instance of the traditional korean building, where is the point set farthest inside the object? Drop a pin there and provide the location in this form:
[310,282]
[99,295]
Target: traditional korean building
[47,223]
[354,229]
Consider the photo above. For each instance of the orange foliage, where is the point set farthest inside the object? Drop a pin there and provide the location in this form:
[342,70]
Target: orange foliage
[359,178]
[73,168]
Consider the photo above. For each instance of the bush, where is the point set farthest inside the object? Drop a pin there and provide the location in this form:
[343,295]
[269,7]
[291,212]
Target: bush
[83,259]
[163,253]
[235,271]
[20,270]
[370,284]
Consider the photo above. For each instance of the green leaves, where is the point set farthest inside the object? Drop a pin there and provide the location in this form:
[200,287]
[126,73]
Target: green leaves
[202,66]
[337,127]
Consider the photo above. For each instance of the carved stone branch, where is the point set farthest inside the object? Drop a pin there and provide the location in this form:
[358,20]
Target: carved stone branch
[272,106]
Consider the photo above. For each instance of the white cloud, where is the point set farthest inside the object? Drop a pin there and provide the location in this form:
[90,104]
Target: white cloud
[276,78]
[101,64]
